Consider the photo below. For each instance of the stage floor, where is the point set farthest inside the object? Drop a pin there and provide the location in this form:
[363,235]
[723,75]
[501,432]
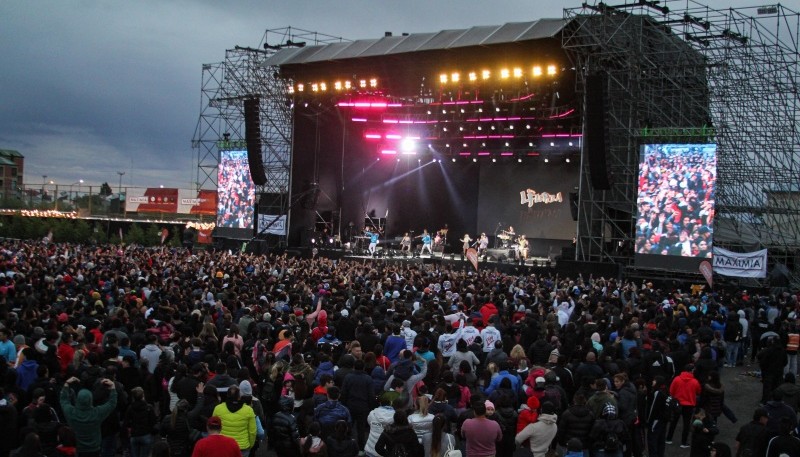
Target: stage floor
[531,262]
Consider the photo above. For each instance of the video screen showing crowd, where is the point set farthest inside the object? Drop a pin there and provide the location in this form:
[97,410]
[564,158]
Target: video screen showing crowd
[235,191]
[675,203]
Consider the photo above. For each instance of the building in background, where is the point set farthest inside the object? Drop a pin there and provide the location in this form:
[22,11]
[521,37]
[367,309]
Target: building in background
[12,165]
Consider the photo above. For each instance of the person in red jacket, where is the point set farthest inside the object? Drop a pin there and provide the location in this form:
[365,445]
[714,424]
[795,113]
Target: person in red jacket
[488,310]
[215,444]
[65,351]
[684,388]
[528,414]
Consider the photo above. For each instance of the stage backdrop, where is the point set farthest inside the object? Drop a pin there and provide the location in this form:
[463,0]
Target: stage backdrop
[531,196]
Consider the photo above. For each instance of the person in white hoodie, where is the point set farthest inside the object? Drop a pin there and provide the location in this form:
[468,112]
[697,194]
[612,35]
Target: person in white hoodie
[378,419]
[151,353]
[540,433]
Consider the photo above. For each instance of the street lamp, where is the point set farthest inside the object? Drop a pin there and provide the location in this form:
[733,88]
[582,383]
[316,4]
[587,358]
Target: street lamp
[41,196]
[71,198]
[119,190]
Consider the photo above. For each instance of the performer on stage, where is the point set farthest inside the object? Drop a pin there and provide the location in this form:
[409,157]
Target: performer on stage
[466,240]
[373,241]
[426,242]
[510,232]
[523,248]
[405,243]
[483,244]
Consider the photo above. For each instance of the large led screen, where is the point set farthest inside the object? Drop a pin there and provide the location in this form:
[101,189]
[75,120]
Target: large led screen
[235,195]
[675,205]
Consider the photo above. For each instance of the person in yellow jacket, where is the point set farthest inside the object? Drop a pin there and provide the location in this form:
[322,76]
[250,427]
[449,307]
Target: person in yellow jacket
[238,420]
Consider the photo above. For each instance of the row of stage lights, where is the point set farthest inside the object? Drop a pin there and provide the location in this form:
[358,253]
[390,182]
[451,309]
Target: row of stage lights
[388,153]
[503,74]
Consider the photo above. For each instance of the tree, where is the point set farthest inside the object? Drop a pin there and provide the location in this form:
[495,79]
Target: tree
[105,190]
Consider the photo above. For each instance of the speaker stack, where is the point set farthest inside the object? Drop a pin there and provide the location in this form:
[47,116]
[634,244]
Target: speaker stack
[252,136]
[596,131]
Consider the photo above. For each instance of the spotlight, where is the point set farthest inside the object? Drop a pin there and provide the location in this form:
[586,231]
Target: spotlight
[465,145]
[551,70]
[504,73]
[530,143]
[443,78]
[494,160]
[447,145]
[567,159]
[474,159]
[323,87]
[518,72]
[373,82]
[485,74]
[546,160]
[337,85]
[537,71]
[519,159]
[552,144]
[347,85]
[454,159]
[528,126]
[362,83]
[473,76]
[455,77]
[480,128]
[506,143]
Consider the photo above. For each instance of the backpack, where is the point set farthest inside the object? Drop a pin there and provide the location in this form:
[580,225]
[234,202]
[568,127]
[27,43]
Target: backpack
[611,442]
[553,395]
[671,407]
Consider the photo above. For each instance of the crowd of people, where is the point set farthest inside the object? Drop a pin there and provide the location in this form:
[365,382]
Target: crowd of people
[109,350]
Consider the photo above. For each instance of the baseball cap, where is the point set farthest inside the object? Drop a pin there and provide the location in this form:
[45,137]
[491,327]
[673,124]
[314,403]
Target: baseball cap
[214,422]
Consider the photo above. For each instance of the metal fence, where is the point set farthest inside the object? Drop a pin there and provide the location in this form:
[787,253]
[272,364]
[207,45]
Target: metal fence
[85,201]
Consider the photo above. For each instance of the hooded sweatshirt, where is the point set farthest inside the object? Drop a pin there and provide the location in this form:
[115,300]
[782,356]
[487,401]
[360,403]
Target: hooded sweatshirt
[84,418]
[541,434]
[528,413]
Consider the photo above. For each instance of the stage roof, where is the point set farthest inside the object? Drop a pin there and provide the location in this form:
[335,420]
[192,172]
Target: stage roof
[446,39]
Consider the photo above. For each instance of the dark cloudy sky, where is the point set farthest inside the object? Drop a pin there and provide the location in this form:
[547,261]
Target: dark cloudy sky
[89,88]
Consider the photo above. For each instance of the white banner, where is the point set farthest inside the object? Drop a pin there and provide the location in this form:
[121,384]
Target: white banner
[744,265]
[278,228]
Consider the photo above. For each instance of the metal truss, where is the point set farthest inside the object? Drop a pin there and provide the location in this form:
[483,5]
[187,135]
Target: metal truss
[225,86]
[730,75]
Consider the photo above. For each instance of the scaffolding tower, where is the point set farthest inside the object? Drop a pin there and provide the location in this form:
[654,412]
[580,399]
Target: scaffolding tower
[224,87]
[692,74]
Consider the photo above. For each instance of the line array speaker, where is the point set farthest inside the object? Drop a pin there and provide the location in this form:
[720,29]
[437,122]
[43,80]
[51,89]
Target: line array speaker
[252,136]
[597,130]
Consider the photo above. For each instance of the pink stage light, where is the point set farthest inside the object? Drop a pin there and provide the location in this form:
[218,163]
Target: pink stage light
[533,154]
[561,135]
[483,153]
[465,153]
[393,136]
[390,121]
[564,114]
[373,136]
[359,119]
[389,152]
[410,153]
[506,154]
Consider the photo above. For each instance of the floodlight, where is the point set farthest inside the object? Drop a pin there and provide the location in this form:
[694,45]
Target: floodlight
[505,73]
[551,70]
[537,71]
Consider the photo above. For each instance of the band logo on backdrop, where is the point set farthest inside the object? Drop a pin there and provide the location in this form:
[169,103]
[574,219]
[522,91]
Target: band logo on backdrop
[530,197]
